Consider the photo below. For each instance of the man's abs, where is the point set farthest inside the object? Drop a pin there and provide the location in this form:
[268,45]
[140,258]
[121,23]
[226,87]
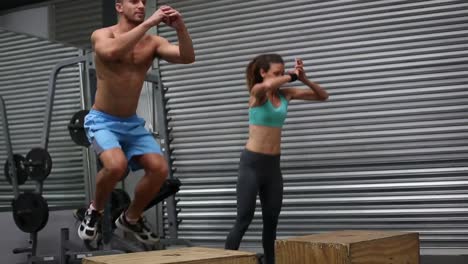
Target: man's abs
[116,101]
[118,87]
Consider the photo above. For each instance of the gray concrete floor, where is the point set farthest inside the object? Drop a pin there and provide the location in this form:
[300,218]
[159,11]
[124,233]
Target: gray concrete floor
[444,259]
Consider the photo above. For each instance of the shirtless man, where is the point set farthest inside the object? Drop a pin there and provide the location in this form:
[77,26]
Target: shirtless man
[124,54]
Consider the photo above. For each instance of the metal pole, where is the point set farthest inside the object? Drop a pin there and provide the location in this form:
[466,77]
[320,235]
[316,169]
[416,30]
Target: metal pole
[51,94]
[50,103]
[86,104]
[92,158]
[11,160]
[64,238]
[163,130]
[33,237]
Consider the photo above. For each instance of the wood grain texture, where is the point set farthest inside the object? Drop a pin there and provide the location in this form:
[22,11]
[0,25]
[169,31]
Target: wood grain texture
[350,247]
[399,249]
[189,255]
[293,252]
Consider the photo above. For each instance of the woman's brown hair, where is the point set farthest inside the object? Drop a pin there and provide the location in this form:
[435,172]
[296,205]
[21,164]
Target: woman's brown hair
[263,62]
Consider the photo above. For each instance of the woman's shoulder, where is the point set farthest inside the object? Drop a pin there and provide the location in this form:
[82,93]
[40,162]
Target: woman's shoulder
[255,101]
[285,93]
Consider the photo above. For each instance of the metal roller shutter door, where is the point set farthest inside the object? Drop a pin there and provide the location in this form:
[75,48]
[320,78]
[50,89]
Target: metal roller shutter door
[25,65]
[387,151]
[74,21]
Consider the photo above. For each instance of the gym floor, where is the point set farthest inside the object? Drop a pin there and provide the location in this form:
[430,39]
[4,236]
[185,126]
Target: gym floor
[444,259]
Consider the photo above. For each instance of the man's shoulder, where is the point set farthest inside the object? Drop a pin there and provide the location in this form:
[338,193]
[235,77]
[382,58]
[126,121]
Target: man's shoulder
[104,31]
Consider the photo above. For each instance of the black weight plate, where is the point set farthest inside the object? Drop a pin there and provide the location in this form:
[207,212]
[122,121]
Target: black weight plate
[30,212]
[39,164]
[21,172]
[76,128]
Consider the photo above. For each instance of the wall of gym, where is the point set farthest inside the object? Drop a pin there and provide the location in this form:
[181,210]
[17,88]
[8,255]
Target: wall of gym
[68,22]
[25,65]
[38,18]
[389,149]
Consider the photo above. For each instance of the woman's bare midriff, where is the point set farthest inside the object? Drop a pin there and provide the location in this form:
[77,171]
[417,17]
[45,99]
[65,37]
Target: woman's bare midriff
[266,140]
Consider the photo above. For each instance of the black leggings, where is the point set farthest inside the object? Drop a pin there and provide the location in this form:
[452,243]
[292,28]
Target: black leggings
[258,173]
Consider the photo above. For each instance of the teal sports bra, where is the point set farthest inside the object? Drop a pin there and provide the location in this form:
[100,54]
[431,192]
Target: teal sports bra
[268,115]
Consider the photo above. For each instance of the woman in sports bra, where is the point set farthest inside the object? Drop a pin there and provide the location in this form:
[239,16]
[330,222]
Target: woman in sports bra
[259,167]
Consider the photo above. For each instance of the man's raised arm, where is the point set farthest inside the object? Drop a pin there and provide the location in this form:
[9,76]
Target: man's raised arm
[182,53]
[110,47]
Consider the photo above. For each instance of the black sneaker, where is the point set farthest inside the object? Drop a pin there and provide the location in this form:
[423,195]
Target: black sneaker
[80,213]
[140,230]
[89,226]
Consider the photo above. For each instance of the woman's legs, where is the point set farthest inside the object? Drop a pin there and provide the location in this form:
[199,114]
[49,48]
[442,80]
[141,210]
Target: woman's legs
[271,197]
[258,172]
[247,188]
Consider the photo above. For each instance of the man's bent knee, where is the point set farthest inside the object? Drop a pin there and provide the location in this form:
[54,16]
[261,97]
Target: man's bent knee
[159,170]
[116,170]
[154,165]
[114,163]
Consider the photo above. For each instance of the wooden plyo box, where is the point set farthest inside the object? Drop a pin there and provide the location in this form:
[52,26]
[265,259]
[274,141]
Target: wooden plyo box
[346,247]
[188,255]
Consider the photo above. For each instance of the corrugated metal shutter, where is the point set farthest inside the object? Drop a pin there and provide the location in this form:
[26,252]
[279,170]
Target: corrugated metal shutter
[25,65]
[389,150]
[74,21]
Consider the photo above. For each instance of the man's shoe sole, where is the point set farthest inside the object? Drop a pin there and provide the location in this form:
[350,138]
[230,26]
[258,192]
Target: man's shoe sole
[126,229]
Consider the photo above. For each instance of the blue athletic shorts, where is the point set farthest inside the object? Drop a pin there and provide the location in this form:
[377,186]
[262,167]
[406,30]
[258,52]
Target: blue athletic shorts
[106,132]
